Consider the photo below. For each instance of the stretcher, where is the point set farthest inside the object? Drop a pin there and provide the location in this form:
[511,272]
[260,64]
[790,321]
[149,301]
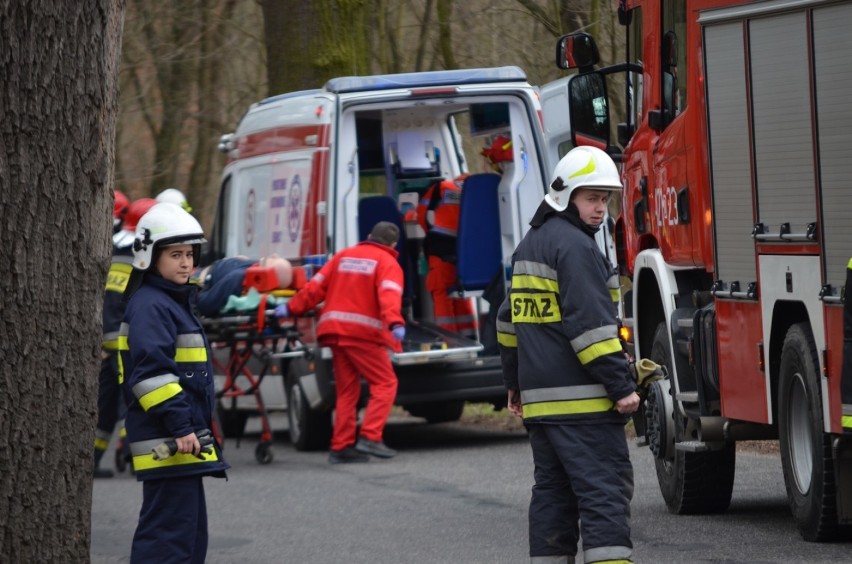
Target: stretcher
[248,347]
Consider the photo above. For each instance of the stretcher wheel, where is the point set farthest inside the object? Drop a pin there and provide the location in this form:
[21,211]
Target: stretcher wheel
[263,453]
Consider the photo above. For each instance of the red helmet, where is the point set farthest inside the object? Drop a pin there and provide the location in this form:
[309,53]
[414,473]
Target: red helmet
[135,212]
[119,208]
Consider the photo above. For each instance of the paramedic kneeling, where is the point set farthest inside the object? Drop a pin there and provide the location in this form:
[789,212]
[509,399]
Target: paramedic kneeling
[167,380]
[362,289]
[565,371]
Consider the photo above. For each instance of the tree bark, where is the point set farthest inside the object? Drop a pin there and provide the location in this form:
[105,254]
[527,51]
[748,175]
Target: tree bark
[210,108]
[445,34]
[59,67]
[309,42]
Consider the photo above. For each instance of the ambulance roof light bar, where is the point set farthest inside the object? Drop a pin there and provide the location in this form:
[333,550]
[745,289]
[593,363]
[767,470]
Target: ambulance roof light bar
[459,77]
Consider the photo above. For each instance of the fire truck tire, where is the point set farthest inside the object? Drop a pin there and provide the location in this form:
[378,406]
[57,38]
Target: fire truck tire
[805,449]
[437,412]
[691,482]
[309,429]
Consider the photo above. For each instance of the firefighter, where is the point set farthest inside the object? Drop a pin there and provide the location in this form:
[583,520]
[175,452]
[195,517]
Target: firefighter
[119,211]
[109,391]
[167,380]
[438,215]
[173,196]
[565,370]
[846,376]
[362,289]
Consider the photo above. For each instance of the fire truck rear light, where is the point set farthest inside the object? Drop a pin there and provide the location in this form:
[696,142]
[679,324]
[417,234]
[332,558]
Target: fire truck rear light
[760,364]
[434,91]
[825,371]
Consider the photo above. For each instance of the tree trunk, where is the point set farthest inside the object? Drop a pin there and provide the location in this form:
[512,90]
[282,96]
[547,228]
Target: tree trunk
[309,42]
[59,67]
[209,110]
[445,37]
[172,41]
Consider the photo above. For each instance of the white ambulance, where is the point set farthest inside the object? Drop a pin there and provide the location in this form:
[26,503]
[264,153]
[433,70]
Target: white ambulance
[309,173]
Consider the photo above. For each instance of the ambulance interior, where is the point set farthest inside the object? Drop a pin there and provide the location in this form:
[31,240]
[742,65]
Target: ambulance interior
[401,150]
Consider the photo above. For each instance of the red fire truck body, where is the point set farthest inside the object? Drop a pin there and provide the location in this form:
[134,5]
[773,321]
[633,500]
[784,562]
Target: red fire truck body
[735,232]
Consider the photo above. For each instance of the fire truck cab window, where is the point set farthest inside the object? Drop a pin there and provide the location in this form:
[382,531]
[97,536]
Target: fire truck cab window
[673,53]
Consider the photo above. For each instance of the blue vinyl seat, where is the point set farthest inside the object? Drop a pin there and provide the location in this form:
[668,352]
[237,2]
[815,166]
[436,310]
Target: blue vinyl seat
[479,254]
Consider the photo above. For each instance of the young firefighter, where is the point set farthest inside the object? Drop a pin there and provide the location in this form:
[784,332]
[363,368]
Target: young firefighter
[361,318]
[165,365]
[565,371]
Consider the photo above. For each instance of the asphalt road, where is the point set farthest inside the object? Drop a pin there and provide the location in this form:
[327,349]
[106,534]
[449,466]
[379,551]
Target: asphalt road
[454,494]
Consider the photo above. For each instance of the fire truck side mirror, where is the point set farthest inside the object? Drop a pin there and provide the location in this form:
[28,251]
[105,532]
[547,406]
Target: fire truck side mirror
[577,51]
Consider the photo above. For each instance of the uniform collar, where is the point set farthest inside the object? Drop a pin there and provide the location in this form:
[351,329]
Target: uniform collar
[183,293]
[545,212]
[385,248]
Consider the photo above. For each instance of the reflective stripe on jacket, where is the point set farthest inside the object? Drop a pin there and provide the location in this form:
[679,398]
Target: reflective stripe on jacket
[362,290]
[167,378]
[558,330]
[119,273]
[846,375]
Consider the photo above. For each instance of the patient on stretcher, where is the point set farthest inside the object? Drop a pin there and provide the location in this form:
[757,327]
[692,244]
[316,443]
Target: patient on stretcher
[228,277]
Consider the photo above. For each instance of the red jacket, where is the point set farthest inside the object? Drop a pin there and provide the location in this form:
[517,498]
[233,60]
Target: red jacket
[362,289]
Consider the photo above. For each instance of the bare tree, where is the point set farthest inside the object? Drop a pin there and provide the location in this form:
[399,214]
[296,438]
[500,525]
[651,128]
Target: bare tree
[309,42]
[58,92]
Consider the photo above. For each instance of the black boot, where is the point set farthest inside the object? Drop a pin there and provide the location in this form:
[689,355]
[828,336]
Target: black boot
[101,472]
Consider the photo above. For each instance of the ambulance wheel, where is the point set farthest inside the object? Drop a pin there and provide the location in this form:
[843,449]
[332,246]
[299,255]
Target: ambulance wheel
[263,453]
[437,412]
[691,482]
[309,429]
[805,449]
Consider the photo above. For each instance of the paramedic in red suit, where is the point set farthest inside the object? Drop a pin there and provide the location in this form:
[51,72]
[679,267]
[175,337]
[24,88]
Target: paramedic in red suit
[361,319]
[438,215]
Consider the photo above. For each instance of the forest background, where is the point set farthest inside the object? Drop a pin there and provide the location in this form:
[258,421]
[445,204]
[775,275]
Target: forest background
[190,69]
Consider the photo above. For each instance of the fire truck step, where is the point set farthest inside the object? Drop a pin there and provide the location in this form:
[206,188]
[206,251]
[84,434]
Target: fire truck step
[689,397]
[692,446]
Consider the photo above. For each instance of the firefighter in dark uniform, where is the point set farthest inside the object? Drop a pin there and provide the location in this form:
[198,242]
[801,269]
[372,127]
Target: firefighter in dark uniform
[167,380]
[109,393]
[846,377]
[565,370]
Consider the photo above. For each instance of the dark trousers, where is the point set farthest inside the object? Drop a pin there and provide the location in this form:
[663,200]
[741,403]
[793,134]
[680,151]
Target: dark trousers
[109,394]
[582,473]
[172,522]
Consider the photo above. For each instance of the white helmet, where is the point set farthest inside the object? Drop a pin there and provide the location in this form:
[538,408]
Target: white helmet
[162,226]
[173,196]
[582,167]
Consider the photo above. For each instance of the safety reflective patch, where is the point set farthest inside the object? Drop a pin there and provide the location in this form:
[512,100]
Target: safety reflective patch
[118,276]
[535,308]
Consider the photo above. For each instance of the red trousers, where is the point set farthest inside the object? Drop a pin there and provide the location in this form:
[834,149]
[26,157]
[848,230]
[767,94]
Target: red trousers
[353,359]
[452,314]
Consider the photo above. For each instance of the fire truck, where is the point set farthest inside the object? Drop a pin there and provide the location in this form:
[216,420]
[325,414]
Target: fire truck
[735,231]
[310,172]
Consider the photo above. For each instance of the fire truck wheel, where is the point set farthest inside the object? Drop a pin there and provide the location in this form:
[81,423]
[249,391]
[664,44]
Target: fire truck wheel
[309,429]
[691,482]
[805,448]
